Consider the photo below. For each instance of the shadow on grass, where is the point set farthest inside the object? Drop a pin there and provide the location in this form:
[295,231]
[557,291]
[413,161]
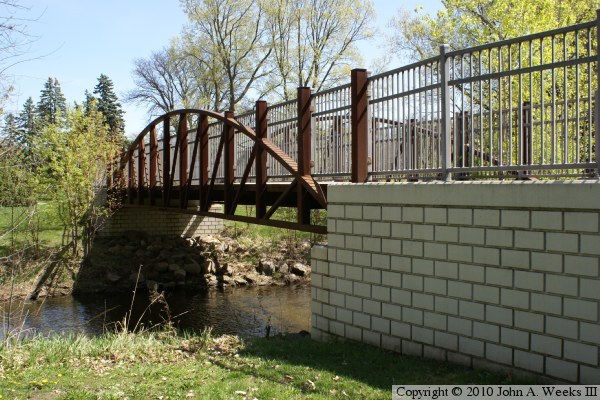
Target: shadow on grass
[372,366]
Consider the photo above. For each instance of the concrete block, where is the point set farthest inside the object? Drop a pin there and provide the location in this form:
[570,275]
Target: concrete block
[331,254]
[403,297]
[344,226]
[353,333]
[391,213]
[337,299]
[487,332]
[353,242]
[362,259]
[445,269]
[412,316]
[422,335]
[329,312]
[412,349]
[353,212]
[486,294]
[589,288]
[446,233]
[499,354]
[434,353]
[446,340]
[422,232]
[546,220]
[391,343]
[372,307]
[562,242]
[354,303]
[529,321]
[391,311]
[373,245]
[471,235]
[581,221]
[459,359]
[401,264]
[319,252]
[529,280]
[436,215]
[546,303]
[435,320]
[471,273]
[528,361]
[514,219]
[361,228]
[460,253]
[514,298]
[590,244]
[561,369]
[380,325]
[560,284]
[499,237]
[344,256]
[412,248]
[580,265]
[336,328]
[546,345]
[337,270]
[381,293]
[548,262]
[391,246]
[468,309]
[412,282]
[562,327]
[589,375]
[515,258]
[486,255]
[581,309]
[461,290]
[400,330]
[344,315]
[486,217]
[424,301]
[461,326]
[499,315]
[422,267]
[413,214]
[471,347]
[590,332]
[354,273]
[392,279]
[446,305]
[435,250]
[514,338]
[460,216]
[380,229]
[362,289]
[499,276]
[436,286]
[331,225]
[361,320]
[581,353]
[372,212]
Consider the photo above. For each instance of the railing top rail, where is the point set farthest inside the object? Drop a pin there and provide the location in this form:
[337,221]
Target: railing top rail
[404,68]
[521,39]
[283,104]
[334,89]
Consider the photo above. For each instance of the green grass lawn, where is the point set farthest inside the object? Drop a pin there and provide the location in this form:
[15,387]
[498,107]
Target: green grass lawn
[167,366]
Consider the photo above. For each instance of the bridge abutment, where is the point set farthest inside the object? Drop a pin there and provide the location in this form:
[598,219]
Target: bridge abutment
[157,221]
[501,275]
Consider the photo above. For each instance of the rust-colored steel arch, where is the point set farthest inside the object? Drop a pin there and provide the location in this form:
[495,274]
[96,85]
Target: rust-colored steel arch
[140,180]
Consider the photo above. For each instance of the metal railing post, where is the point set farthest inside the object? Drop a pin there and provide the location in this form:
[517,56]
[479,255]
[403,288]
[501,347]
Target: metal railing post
[360,125]
[182,132]
[166,160]
[445,104]
[597,94]
[141,170]
[153,164]
[229,159]
[304,140]
[261,158]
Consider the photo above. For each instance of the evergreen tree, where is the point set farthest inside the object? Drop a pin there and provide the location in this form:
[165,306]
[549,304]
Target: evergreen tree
[27,124]
[109,106]
[52,107]
[10,131]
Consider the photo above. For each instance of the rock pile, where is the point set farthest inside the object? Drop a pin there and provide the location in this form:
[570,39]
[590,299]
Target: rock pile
[156,263]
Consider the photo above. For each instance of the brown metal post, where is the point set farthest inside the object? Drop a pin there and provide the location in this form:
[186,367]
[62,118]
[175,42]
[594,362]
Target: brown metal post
[182,133]
[261,158]
[166,160]
[131,175]
[153,163]
[141,170]
[203,155]
[229,171]
[304,143]
[360,129]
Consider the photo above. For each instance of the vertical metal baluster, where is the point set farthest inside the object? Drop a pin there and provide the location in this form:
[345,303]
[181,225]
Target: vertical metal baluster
[491,108]
[500,115]
[577,99]
[589,113]
[553,105]
[481,108]
[566,107]
[542,106]
[520,110]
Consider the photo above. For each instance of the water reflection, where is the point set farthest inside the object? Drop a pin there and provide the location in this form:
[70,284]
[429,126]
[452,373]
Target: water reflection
[242,311]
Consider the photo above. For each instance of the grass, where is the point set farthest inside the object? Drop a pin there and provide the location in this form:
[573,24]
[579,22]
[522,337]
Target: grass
[169,366]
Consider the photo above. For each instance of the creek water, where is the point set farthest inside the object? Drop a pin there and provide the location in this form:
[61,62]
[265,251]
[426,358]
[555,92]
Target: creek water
[242,311]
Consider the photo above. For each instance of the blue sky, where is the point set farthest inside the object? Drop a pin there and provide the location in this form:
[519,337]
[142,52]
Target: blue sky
[77,40]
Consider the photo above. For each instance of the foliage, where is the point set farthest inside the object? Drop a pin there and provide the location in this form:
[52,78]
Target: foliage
[27,124]
[108,104]
[74,159]
[52,106]
[466,23]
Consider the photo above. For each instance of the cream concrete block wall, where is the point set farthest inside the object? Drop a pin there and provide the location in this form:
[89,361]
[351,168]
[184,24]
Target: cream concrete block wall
[495,274]
[159,222]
